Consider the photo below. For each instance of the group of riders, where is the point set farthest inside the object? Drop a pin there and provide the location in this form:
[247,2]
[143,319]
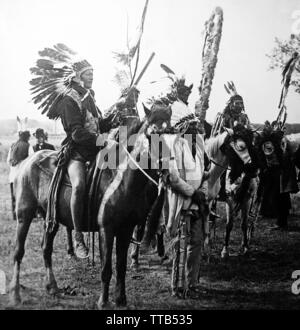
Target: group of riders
[186,178]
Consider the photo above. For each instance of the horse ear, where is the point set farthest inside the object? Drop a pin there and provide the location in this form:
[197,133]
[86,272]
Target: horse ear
[146,110]
[19,125]
[229,131]
[257,133]
[227,90]
[25,123]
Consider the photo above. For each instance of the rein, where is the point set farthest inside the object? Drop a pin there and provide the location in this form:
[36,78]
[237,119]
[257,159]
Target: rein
[138,166]
[215,163]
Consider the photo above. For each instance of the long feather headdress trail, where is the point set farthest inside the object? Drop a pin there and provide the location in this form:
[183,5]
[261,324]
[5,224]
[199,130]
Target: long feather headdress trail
[53,75]
[209,60]
[286,82]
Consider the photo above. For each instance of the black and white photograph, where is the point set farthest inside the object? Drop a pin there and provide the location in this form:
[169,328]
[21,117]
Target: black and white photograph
[150,157]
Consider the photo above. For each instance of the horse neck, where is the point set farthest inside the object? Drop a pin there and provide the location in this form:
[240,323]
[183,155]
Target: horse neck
[219,160]
[134,176]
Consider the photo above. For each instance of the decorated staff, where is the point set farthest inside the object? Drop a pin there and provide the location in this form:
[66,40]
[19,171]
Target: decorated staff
[286,81]
[125,77]
[209,60]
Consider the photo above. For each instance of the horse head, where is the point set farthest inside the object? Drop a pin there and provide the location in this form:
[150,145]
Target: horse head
[239,150]
[271,144]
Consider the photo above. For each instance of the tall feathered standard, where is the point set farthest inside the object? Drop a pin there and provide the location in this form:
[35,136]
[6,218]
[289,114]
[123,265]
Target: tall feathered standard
[209,60]
[287,76]
[53,74]
[286,81]
[125,77]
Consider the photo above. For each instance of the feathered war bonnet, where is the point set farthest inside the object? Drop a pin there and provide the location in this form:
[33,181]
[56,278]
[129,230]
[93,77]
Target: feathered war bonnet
[181,117]
[234,95]
[54,73]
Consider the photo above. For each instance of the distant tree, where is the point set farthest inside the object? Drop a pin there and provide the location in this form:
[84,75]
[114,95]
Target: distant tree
[282,52]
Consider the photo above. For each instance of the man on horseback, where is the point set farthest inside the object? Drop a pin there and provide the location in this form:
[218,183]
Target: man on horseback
[64,89]
[234,112]
[65,82]
[79,115]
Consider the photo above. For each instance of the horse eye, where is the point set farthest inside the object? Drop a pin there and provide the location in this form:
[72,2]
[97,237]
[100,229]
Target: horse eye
[241,145]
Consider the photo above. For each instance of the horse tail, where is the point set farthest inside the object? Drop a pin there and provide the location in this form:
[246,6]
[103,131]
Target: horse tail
[152,222]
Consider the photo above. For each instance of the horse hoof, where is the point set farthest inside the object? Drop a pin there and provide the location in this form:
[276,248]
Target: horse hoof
[71,254]
[14,300]
[245,251]
[225,253]
[103,305]
[121,302]
[52,289]
[134,265]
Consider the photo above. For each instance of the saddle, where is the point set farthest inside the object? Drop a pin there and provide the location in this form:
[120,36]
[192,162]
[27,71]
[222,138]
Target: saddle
[49,164]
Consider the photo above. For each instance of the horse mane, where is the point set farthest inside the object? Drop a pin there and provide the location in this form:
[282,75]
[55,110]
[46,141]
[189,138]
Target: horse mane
[213,145]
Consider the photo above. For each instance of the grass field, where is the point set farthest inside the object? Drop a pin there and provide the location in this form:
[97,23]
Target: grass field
[260,281]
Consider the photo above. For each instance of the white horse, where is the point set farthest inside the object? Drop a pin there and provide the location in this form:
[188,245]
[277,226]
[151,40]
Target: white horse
[220,162]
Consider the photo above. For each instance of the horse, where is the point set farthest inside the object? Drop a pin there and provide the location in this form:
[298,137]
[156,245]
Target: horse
[121,191]
[279,155]
[233,149]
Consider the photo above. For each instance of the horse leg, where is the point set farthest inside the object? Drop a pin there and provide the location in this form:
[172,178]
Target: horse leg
[244,227]
[161,247]
[24,221]
[229,226]
[13,201]
[122,244]
[135,250]
[70,242]
[47,246]
[106,247]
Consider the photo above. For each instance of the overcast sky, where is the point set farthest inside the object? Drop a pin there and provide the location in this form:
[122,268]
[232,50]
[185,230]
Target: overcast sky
[173,30]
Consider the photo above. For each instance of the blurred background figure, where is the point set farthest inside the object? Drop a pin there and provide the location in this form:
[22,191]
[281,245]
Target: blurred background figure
[18,151]
[41,138]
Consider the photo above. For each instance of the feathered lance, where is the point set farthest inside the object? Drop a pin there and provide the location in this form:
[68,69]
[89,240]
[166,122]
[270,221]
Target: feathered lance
[138,46]
[209,60]
[286,81]
[133,52]
[121,77]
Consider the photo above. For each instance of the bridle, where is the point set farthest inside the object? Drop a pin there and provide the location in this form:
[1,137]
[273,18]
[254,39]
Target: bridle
[215,163]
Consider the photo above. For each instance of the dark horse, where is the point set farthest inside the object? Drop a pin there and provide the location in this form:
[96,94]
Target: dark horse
[121,189]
